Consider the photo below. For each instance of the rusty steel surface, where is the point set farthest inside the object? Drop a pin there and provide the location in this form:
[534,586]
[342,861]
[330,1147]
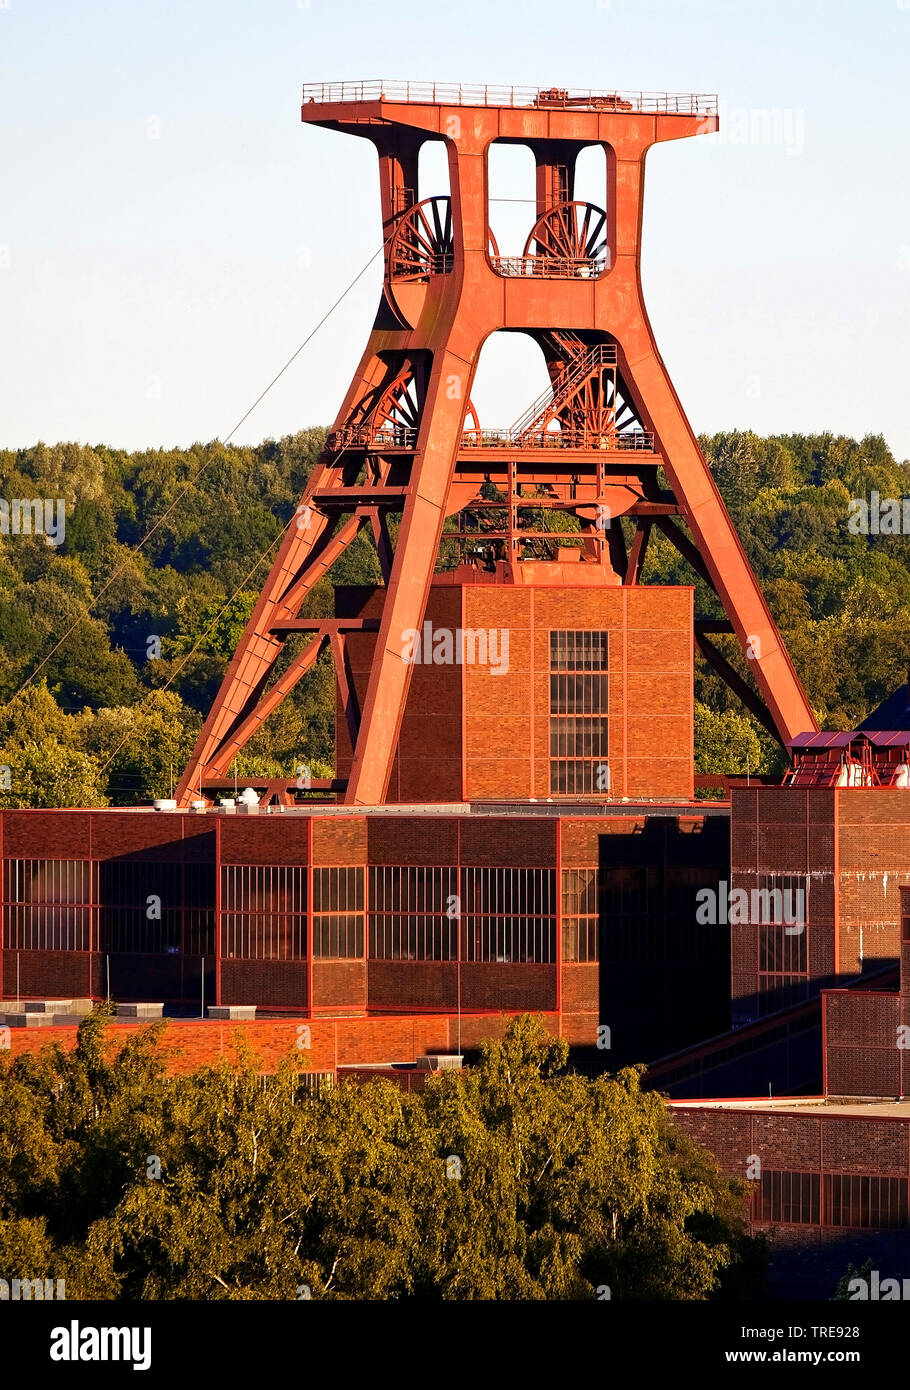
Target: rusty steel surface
[408,440]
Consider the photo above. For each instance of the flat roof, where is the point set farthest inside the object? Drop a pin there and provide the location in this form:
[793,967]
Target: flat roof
[868,1107]
[620,809]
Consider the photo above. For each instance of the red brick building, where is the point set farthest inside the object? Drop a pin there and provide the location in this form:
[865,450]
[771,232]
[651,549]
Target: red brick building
[328,913]
[549,862]
[848,850]
[831,1172]
[564,689]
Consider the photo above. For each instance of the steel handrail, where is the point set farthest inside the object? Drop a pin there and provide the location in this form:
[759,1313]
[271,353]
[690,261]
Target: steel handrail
[467,94]
[555,267]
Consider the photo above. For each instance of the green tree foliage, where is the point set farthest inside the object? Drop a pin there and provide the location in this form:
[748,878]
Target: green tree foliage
[512,1180]
[48,773]
[123,696]
[171,612]
[725,743]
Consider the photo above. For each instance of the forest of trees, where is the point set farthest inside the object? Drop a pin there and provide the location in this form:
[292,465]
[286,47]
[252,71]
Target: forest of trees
[113,710]
[514,1180]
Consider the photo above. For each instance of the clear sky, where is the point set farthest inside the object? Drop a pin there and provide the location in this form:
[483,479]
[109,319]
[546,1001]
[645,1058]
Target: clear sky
[170,231]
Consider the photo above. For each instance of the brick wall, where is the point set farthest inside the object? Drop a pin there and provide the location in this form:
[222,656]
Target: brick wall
[874,859]
[853,847]
[333,1042]
[783,831]
[480,731]
[824,1142]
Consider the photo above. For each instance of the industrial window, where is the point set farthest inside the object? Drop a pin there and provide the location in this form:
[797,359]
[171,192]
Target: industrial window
[132,930]
[870,1202]
[49,904]
[270,888]
[781,954]
[47,881]
[625,889]
[579,915]
[578,651]
[60,927]
[508,914]
[155,907]
[266,936]
[198,933]
[780,906]
[781,900]
[338,913]
[578,713]
[263,912]
[413,913]
[791,1198]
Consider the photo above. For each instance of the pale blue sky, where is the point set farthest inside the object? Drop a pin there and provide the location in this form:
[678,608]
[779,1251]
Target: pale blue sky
[150,287]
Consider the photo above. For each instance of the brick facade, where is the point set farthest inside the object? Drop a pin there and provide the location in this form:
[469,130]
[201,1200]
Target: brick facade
[480,731]
[245,932]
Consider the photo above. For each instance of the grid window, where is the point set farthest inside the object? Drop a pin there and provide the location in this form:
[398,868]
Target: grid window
[782,900]
[47,881]
[263,912]
[780,906]
[198,932]
[155,908]
[270,888]
[509,914]
[338,936]
[870,1202]
[263,936]
[578,651]
[58,927]
[790,1198]
[338,913]
[780,954]
[579,915]
[578,713]
[413,913]
[49,904]
[129,929]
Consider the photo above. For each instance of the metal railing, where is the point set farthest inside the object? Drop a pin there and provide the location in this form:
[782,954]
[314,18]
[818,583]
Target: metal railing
[560,390]
[554,98]
[642,440]
[405,437]
[435,263]
[369,437]
[555,267]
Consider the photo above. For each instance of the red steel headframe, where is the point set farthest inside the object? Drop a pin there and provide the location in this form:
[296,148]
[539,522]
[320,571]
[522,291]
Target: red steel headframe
[407,439]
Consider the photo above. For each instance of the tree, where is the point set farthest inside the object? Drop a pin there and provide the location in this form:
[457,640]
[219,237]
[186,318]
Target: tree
[141,749]
[47,773]
[33,715]
[725,743]
[208,516]
[514,1179]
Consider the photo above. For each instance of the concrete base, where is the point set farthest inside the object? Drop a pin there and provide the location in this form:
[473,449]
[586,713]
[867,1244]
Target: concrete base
[231,1011]
[140,1010]
[29,1020]
[58,1006]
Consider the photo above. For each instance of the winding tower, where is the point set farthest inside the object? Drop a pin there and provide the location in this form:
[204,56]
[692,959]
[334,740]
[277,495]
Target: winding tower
[608,440]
